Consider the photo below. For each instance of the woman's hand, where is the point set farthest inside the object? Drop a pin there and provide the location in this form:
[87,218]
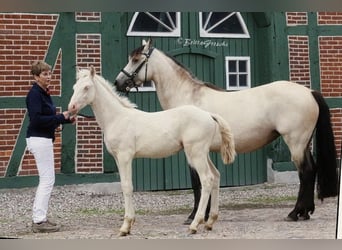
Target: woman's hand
[69,116]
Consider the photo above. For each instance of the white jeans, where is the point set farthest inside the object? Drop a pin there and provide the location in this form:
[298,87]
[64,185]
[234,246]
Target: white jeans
[42,150]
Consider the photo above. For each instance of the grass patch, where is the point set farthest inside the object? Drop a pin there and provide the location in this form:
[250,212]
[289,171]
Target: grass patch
[121,212]
[272,200]
[261,202]
[96,211]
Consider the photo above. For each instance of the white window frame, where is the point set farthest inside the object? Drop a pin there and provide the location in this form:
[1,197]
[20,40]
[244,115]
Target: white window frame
[205,33]
[248,69]
[174,33]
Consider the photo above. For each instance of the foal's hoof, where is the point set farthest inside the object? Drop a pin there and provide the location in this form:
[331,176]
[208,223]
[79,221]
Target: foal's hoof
[208,228]
[193,231]
[187,221]
[123,233]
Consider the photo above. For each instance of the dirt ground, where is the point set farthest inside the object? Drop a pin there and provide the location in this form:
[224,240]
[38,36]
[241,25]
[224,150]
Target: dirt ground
[256,212]
[261,219]
[249,223]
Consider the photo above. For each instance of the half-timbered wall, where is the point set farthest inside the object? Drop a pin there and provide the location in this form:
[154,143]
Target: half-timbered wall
[312,57]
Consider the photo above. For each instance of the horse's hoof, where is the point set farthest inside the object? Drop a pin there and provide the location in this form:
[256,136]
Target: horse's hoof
[187,221]
[304,217]
[209,228]
[290,219]
[193,231]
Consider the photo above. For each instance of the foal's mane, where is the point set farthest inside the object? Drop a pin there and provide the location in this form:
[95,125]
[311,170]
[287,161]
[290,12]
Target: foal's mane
[112,90]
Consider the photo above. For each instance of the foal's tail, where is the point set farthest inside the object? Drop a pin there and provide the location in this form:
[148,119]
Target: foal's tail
[327,178]
[227,144]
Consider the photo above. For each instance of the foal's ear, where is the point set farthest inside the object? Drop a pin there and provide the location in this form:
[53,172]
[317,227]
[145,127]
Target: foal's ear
[77,72]
[92,71]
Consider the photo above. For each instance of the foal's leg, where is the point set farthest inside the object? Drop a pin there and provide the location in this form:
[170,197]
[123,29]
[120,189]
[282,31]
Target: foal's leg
[196,187]
[125,171]
[214,196]
[207,184]
[195,158]
[305,202]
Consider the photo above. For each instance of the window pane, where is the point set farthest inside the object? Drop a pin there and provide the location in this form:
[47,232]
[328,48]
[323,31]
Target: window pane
[232,66]
[146,23]
[155,24]
[147,84]
[243,80]
[230,26]
[164,17]
[216,17]
[243,66]
[233,80]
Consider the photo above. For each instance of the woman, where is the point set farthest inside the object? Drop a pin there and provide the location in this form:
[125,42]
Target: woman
[40,137]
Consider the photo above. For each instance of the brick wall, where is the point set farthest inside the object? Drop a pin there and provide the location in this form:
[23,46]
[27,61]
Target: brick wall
[25,38]
[299,59]
[330,53]
[89,155]
[330,56]
[296,18]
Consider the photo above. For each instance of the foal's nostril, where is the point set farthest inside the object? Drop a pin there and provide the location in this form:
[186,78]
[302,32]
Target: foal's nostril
[115,83]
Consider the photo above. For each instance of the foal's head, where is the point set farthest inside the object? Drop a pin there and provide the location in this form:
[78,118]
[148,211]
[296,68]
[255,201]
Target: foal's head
[84,89]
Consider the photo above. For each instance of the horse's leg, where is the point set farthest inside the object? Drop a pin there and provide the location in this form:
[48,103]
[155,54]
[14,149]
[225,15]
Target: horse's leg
[305,202]
[214,196]
[125,170]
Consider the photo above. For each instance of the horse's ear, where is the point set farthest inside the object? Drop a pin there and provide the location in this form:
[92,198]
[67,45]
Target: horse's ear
[144,42]
[147,45]
[149,42]
[92,71]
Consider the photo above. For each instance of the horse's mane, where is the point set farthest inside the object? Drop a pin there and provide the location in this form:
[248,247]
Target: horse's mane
[192,76]
[112,89]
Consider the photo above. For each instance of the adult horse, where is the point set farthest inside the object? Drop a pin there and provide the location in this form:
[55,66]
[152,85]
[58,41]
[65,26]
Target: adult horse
[257,116]
[130,133]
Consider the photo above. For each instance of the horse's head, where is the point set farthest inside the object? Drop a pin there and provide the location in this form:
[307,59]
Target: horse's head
[135,72]
[84,90]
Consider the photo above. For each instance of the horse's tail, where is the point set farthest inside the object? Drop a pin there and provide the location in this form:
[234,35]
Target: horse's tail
[227,140]
[327,178]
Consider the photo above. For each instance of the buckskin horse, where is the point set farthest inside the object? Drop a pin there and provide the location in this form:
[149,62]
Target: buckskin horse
[257,116]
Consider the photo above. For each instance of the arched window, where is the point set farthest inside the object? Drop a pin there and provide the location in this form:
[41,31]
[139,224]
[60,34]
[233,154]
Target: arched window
[222,24]
[155,24]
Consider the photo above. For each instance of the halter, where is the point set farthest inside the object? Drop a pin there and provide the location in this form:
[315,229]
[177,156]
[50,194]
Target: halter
[130,81]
